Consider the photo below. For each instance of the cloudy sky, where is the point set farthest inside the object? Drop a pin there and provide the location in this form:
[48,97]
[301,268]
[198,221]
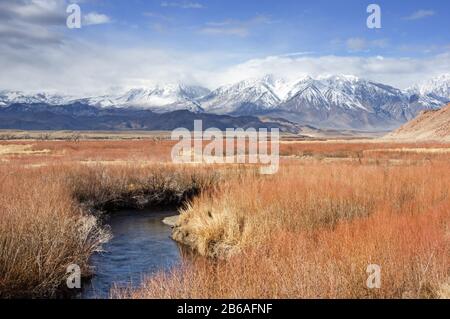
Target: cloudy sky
[137,43]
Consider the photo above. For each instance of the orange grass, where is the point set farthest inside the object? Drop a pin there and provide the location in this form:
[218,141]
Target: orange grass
[308,231]
[305,197]
[311,231]
[42,231]
[411,250]
[364,149]
[45,223]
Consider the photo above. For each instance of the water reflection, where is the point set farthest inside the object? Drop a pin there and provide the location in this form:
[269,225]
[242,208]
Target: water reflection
[141,245]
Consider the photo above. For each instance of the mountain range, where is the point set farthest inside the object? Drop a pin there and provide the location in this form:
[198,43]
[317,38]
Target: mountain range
[329,102]
[78,116]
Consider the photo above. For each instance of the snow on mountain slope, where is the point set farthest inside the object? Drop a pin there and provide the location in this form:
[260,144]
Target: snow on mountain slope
[161,95]
[437,87]
[340,101]
[243,97]
[306,94]
[159,98]
[367,95]
[10,97]
[325,92]
[347,93]
[429,95]
[269,92]
[105,101]
[280,86]
[419,103]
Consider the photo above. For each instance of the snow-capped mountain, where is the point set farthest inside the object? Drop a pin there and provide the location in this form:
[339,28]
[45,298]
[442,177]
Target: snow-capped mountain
[10,97]
[338,101]
[430,94]
[355,93]
[270,93]
[244,97]
[305,94]
[159,98]
[335,101]
[437,87]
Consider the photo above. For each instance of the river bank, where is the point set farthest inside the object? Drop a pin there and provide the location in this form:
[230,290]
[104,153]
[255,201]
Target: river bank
[54,221]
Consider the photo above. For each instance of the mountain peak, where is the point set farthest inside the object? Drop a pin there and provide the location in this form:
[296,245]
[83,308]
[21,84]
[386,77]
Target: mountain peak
[339,77]
[438,86]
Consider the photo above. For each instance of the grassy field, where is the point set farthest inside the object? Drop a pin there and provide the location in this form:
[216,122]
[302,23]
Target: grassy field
[310,230]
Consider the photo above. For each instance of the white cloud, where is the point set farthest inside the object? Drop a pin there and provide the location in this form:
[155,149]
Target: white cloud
[44,12]
[294,54]
[82,68]
[35,56]
[30,23]
[37,23]
[420,14]
[399,72]
[94,18]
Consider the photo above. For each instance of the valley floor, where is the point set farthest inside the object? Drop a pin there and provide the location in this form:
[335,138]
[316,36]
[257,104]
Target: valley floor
[311,230]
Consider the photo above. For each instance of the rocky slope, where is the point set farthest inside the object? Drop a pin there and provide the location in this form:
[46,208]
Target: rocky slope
[431,125]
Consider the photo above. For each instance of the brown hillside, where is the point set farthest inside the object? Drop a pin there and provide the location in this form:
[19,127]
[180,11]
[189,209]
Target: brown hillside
[427,126]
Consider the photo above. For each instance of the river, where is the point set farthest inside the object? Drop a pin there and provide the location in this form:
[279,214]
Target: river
[141,245]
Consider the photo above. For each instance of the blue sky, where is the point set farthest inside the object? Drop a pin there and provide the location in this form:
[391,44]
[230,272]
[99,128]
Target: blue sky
[268,27]
[131,43]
